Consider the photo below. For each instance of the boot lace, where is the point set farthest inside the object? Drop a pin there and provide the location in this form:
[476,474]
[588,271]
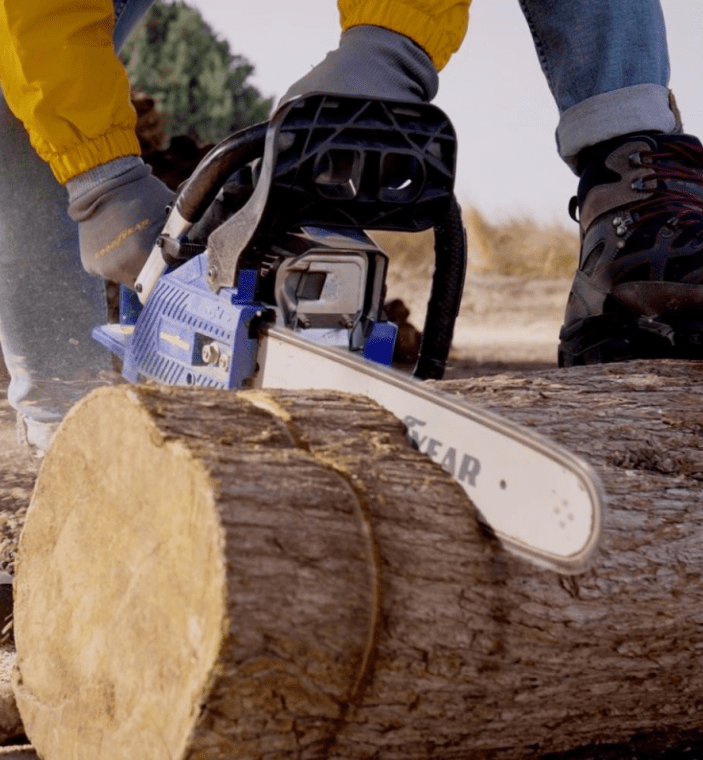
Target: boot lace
[675,165]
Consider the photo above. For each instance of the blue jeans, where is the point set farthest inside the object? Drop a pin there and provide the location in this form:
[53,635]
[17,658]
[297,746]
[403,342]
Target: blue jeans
[48,304]
[607,65]
[128,13]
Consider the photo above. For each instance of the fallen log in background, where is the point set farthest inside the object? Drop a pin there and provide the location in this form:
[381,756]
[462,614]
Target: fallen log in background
[281,575]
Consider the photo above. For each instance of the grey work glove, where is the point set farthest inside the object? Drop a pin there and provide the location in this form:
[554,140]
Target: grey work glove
[372,62]
[120,209]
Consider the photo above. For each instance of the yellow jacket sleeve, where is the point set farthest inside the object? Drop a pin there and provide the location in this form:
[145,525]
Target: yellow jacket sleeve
[61,78]
[437,26]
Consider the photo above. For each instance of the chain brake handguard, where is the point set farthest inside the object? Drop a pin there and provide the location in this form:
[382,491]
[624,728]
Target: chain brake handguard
[342,162]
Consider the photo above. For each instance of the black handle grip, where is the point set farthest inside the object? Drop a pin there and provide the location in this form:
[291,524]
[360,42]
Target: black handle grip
[233,152]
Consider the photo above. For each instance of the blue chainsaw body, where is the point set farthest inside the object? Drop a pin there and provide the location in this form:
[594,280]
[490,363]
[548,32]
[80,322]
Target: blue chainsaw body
[271,228]
[187,335]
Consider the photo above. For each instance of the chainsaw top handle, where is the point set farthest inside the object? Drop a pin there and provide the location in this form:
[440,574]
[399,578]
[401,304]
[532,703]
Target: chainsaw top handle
[202,187]
[350,163]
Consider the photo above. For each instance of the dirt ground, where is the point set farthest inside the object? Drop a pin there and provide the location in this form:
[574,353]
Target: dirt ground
[505,323]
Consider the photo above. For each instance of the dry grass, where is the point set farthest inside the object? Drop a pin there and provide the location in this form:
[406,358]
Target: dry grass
[519,247]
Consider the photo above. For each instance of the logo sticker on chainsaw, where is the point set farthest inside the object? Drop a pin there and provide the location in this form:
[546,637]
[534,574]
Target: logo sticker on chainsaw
[463,467]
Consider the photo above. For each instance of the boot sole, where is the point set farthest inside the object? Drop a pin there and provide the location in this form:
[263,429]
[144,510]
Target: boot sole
[618,337]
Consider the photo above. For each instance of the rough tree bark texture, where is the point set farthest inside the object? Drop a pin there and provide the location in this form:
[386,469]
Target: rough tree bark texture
[281,575]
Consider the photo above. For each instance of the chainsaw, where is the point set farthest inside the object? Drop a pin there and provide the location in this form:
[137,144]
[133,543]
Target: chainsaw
[265,277]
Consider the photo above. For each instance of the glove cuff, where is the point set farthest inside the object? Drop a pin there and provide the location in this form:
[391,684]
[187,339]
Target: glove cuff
[86,182]
[372,61]
[401,59]
[86,193]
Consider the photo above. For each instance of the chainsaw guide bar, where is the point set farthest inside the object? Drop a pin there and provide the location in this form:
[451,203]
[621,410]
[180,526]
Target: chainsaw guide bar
[542,502]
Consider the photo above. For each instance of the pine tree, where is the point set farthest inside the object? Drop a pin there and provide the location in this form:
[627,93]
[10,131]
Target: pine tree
[200,87]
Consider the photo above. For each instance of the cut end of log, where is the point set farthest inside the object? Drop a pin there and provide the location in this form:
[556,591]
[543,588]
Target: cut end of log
[193,579]
[153,592]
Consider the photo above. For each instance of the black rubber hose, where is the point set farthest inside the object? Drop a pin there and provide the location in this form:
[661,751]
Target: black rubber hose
[445,295]
[212,172]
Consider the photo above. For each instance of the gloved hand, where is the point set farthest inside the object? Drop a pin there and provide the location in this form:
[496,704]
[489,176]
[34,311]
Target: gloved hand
[374,62]
[120,209]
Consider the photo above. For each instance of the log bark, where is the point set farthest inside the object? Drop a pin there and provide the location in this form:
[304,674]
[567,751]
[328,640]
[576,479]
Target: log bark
[279,575]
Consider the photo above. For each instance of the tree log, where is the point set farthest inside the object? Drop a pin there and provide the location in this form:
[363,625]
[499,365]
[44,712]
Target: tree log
[214,575]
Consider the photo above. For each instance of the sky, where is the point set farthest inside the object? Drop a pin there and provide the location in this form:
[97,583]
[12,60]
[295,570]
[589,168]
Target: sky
[492,90]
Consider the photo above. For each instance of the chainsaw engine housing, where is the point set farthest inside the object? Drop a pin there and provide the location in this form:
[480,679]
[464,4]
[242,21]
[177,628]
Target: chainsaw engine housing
[271,228]
[323,284]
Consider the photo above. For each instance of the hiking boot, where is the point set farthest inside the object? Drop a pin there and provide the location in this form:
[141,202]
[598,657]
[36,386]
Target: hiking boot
[638,292]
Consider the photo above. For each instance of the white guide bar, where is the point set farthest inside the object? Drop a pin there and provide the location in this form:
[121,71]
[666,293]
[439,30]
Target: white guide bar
[541,501]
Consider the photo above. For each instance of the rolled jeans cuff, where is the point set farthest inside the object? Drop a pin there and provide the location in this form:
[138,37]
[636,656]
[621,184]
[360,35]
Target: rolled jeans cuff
[639,108]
